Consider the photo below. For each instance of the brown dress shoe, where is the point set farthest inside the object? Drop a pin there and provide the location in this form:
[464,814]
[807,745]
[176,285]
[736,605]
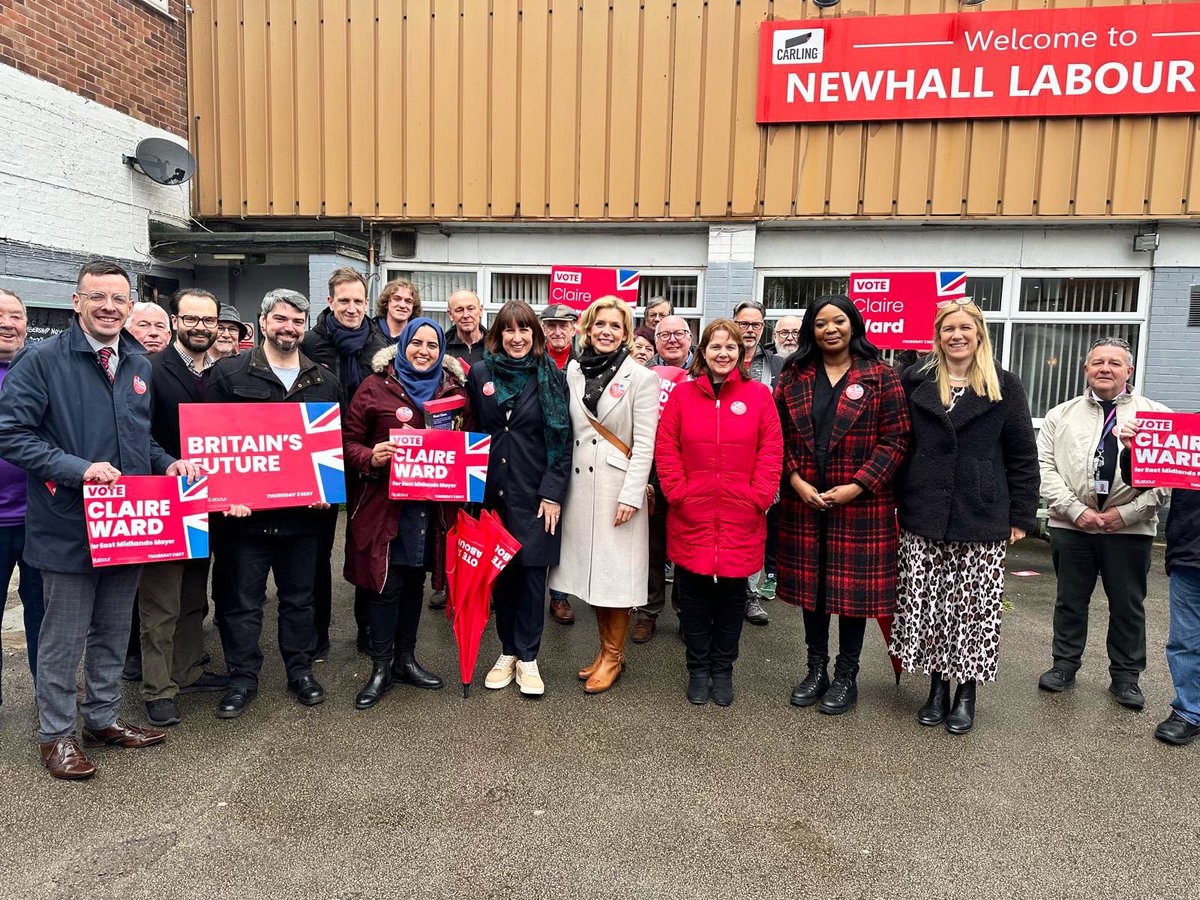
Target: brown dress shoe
[643,629]
[65,759]
[122,734]
[562,612]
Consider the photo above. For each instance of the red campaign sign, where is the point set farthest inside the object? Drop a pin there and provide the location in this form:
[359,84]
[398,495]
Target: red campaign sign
[146,519]
[1166,451]
[579,286]
[668,377]
[446,466]
[899,307]
[266,455]
[1084,61]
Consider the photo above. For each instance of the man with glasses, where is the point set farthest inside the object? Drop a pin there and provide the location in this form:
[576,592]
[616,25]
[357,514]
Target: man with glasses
[77,410]
[148,323]
[657,309]
[231,331]
[673,341]
[786,335]
[1099,525]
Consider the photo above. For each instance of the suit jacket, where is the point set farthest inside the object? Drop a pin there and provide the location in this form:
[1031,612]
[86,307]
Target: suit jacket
[171,383]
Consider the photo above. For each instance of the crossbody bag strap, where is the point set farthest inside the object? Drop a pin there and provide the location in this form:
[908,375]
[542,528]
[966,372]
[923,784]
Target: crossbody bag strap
[611,438]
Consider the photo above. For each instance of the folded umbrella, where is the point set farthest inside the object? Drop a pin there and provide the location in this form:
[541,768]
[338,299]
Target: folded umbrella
[467,601]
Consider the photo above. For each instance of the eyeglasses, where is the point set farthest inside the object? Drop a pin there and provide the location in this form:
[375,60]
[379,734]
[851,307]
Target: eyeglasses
[228,329]
[787,333]
[100,297]
[750,326]
[193,321]
[673,335]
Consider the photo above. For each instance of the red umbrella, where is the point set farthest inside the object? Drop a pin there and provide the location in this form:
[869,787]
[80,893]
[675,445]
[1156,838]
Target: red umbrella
[885,625]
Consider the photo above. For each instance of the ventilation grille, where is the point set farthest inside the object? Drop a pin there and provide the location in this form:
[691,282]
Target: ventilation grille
[1194,307]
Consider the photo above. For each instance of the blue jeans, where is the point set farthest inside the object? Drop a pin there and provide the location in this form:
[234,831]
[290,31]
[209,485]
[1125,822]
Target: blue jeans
[1183,642]
[12,546]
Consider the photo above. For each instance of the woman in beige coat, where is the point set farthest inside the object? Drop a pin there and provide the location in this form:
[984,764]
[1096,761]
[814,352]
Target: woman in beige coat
[605,529]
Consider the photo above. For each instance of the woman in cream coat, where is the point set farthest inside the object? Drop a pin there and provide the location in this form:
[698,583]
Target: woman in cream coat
[605,526]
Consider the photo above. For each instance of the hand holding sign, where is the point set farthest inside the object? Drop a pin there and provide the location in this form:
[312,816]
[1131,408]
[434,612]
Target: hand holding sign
[1165,451]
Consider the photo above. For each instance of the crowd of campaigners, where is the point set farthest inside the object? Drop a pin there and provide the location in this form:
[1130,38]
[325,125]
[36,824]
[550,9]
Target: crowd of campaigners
[807,469]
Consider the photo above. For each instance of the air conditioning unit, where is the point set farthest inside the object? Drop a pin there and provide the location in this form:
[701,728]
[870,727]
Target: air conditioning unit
[403,244]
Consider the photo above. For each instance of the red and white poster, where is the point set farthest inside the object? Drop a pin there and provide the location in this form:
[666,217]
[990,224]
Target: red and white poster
[266,455]
[1166,452]
[1078,61]
[668,377]
[446,466]
[899,307]
[146,519]
[579,286]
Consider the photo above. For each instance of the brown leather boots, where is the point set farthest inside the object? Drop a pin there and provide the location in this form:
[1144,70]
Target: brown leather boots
[613,625]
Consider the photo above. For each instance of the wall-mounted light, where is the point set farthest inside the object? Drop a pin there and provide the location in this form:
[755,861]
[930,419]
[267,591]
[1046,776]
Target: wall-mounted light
[1146,242]
[971,2]
[825,4]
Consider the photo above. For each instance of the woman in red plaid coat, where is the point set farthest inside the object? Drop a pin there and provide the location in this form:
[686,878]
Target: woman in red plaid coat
[845,432]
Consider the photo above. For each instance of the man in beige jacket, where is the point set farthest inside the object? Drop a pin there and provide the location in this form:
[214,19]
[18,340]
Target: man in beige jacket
[1099,525]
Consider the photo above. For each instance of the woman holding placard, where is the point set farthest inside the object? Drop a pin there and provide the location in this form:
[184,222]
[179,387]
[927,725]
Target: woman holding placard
[391,544]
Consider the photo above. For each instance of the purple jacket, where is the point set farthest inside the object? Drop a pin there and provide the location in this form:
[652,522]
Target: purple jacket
[12,483]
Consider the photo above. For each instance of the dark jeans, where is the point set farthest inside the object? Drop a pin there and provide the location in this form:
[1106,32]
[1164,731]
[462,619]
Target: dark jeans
[772,539]
[12,546]
[323,577]
[290,558]
[519,601]
[710,616]
[1121,561]
[851,630]
[395,613]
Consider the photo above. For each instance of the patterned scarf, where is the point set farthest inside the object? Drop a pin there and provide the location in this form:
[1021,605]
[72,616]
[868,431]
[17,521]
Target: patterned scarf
[598,370]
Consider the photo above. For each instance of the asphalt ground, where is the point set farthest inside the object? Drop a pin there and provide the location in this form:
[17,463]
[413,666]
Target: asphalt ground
[634,793]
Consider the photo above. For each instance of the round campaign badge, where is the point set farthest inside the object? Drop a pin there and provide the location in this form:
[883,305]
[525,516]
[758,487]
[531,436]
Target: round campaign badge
[139,386]
[854,391]
[489,389]
[404,414]
[737,407]
[617,391]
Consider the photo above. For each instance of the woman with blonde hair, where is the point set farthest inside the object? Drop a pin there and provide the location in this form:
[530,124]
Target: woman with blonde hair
[970,484]
[606,540]
[398,302]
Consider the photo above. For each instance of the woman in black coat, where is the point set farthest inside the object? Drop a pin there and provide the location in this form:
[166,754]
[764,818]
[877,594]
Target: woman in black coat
[519,397]
[969,485]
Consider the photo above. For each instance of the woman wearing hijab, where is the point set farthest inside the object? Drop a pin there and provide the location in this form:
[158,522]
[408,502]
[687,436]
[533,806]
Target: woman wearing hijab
[606,538]
[391,544]
[519,397]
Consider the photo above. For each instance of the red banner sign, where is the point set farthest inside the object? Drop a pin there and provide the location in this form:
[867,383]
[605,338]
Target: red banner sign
[1166,452]
[1084,61]
[668,377]
[146,519]
[578,286]
[266,455]
[446,466]
[899,307]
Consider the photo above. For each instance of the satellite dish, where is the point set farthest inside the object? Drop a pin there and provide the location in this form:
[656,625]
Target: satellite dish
[163,161]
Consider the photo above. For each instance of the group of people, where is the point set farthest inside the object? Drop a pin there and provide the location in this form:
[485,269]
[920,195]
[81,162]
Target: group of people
[852,488]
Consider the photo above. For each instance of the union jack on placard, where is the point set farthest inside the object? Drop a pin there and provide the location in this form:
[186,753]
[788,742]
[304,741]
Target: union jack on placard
[193,490]
[951,285]
[478,448]
[320,417]
[628,279]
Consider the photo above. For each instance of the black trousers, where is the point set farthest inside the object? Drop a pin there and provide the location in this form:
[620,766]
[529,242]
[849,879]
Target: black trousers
[656,581]
[519,598]
[1121,562]
[323,576]
[289,557]
[711,611]
[395,613]
[224,583]
[772,539]
[851,630]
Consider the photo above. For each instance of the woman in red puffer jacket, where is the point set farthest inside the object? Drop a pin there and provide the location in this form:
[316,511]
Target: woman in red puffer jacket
[719,455]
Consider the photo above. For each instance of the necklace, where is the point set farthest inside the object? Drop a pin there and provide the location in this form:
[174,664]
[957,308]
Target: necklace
[958,377]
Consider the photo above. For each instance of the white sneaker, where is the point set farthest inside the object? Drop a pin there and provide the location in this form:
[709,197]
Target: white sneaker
[501,674]
[529,680]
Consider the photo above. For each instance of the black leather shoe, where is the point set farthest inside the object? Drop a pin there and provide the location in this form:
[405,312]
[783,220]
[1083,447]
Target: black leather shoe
[408,670]
[1128,694]
[1056,680]
[697,689]
[961,718]
[307,690]
[1175,729]
[162,712]
[722,689]
[377,685]
[935,708]
[815,683]
[841,696]
[234,702]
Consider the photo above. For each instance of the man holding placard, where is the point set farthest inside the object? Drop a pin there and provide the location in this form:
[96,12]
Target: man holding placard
[279,541]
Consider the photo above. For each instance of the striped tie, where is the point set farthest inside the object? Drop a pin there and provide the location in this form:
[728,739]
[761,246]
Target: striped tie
[105,354]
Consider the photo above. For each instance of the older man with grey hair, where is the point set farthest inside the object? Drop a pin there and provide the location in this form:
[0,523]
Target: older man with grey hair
[148,323]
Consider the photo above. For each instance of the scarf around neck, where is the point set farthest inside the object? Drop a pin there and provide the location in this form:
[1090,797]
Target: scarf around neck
[598,370]
[349,343]
[509,376]
[420,386]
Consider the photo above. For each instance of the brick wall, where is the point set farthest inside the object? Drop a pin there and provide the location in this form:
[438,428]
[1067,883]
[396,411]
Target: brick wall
[1172,368]
[120,53]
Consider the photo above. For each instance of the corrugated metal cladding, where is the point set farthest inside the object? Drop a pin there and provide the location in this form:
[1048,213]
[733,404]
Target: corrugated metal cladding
[611,109]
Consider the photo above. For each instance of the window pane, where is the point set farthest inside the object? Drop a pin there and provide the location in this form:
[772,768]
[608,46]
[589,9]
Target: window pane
[435,289]
[679,289]
[986,292]
[533,289]
[1087,295]
[796,292]
[1048,358]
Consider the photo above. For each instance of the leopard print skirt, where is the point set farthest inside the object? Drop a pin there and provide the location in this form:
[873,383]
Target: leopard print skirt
[950,599]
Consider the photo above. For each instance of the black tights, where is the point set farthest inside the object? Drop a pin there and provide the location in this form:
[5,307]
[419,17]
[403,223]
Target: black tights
[395,613]
[851,630]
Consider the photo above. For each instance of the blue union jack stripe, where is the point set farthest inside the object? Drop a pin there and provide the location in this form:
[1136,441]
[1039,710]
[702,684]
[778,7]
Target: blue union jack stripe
[951,285]
[320,417]
[628,279]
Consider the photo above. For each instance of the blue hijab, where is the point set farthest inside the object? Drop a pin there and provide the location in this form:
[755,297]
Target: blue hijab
[421,386]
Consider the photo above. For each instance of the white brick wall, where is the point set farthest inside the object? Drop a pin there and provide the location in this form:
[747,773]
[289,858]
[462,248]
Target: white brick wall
[62,182]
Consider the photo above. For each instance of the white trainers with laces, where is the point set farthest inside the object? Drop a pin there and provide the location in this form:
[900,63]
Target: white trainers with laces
[529,680]
[501,674]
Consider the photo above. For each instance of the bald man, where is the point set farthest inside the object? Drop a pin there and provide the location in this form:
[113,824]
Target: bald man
[465,340]
[149,324]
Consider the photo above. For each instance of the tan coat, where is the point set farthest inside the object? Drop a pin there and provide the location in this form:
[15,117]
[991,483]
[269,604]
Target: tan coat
[600,563]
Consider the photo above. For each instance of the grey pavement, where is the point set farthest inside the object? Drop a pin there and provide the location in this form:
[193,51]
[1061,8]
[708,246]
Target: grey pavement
[634,793]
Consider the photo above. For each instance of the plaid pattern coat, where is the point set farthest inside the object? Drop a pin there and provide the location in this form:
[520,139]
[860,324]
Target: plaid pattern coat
[868,443]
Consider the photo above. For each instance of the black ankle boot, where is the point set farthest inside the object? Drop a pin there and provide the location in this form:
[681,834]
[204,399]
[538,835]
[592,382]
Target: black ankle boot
[962,715]
[722,688]
[935,708]
[377,685]
[842,693]
[698,690]
[815,683]
[408,670]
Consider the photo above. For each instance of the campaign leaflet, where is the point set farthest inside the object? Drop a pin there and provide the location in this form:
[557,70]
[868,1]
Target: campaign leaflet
[266,455]
[446,466]
[1166,451]
[146,519]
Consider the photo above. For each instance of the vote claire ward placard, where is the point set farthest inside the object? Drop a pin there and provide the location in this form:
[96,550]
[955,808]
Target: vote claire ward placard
[446,466]
[578,286]
[899,307]
[146,519]
[1166,451]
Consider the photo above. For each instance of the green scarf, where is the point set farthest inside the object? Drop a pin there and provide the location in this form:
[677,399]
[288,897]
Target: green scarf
[509,376]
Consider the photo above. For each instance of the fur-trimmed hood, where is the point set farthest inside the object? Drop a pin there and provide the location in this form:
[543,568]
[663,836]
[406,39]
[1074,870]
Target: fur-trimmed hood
[381,360]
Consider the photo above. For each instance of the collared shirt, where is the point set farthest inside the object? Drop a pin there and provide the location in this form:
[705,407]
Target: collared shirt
[96,346]
[205,364]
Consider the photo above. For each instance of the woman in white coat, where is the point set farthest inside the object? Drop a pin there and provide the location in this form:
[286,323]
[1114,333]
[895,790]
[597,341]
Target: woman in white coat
[605,527]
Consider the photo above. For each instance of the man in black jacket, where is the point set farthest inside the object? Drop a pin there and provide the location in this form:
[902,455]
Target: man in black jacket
[465,340]
[278,541]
